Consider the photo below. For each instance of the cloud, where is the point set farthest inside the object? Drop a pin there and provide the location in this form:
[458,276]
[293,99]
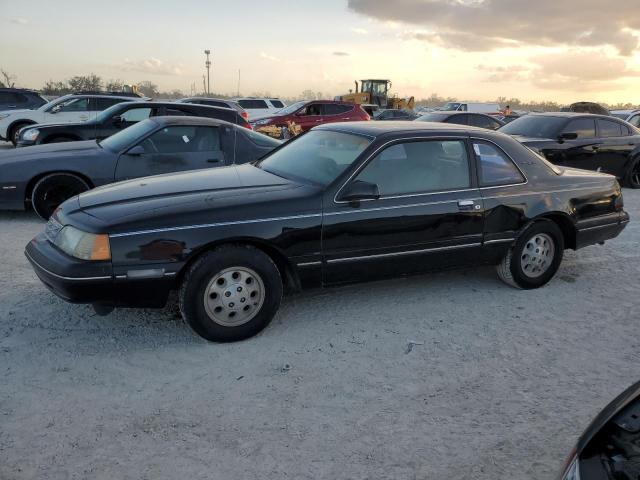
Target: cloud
[19,21]
[477,25]
[151,65]
[359,31]
[341,54]
[269,57]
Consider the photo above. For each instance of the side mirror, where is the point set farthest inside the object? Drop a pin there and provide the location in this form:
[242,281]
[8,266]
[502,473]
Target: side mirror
[360,190]
[136,151]
[567,136]
[56,109]
[118,120]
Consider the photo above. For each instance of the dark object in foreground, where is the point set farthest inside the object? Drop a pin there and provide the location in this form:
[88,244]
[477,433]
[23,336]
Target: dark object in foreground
[43,176]
[342,203]
[609,449]
[581,140]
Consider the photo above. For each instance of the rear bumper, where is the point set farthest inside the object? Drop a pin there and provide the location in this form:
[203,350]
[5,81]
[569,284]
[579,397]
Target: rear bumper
[599,229]
[79,281]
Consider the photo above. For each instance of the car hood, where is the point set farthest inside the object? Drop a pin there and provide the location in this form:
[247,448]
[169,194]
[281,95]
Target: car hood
[50,150]
[630,395]
[180,197]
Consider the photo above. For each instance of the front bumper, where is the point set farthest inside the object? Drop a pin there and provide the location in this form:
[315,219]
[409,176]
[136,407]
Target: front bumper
[26,143]
[79,281]
[601,228]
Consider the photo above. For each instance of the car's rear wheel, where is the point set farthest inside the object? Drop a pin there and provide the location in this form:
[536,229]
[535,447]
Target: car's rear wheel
[230,293]
[14,132]
[534,258]
[632,179]
[51,190]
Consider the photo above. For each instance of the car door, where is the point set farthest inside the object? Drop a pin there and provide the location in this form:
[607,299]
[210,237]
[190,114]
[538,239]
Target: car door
[76,109]
[310,116]
[616,145]
[580,152]
[428,213]
[173,148]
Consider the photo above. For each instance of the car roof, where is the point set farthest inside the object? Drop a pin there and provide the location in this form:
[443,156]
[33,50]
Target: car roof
[149,103]
[210,98]
[20,90]
[567,114]
[375,129]
[188,120]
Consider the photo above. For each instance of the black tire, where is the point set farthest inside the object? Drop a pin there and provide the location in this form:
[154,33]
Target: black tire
[511,271]
[199,280]
[632,178]
[13,132]
[53,189]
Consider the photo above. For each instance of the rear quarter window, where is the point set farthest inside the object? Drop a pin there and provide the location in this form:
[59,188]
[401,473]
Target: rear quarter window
[277,103]
[253,104]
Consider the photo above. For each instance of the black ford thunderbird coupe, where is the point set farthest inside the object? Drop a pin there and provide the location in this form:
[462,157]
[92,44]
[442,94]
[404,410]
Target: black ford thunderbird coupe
[43,176]
[342,203]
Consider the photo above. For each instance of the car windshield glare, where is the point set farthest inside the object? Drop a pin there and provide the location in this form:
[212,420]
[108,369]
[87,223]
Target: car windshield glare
[290,108]
[535,126]
[125,138]
[431,117]
[108,113]
[317,157]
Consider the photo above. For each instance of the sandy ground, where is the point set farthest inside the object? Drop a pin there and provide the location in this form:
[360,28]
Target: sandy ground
[499,385]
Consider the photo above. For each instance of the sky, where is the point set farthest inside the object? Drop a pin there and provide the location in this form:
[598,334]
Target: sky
[559,50]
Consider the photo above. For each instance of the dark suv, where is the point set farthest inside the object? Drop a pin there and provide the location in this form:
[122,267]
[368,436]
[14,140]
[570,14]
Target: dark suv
[20,98]
[119,117]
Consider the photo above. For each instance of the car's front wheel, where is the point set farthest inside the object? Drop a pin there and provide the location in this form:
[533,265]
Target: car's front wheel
[534,258]
[633,175]
[230,293]
[51,190]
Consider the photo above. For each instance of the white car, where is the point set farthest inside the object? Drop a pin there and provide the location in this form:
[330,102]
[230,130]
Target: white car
[631,116]
[65,109]
[471,107]
[260,107]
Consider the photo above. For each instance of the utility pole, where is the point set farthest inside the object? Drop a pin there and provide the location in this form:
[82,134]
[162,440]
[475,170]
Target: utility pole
[204,85]
[208,65]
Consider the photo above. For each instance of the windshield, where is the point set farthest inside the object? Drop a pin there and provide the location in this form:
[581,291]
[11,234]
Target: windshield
[317,157]
[535,126]
[290,108]
[48,106]
[451,106]
[124,138]
[431,117]
[108,113]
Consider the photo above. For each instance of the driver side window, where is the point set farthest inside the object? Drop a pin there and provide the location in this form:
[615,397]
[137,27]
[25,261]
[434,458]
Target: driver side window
[183,139]
[419,167]
[584,127]
[136,115]
[73,105]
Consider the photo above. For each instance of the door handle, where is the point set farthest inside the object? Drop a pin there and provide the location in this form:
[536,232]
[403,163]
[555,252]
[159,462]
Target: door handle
[468,205]
[213,160]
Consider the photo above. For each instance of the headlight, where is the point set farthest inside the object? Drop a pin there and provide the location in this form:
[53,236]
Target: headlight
[83,245]
[30,134]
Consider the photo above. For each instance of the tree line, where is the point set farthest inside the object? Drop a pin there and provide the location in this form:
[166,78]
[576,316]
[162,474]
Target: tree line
[93,82]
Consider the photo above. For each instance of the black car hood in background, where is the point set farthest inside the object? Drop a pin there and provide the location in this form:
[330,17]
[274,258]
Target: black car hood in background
[192,190]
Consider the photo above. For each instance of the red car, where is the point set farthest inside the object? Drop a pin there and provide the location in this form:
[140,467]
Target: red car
[308,114]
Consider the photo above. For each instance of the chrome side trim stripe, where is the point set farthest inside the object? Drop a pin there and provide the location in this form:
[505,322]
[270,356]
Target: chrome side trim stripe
[392,207]
[72,279]
[208,225]
[407,252]
[309,264]
[614,224]
[499,240]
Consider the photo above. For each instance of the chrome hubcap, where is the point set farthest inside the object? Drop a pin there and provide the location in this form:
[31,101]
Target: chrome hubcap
[234,296]
[537,255]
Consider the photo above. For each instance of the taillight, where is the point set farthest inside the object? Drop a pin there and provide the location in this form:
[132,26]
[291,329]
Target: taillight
[247,125]
[244,115]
